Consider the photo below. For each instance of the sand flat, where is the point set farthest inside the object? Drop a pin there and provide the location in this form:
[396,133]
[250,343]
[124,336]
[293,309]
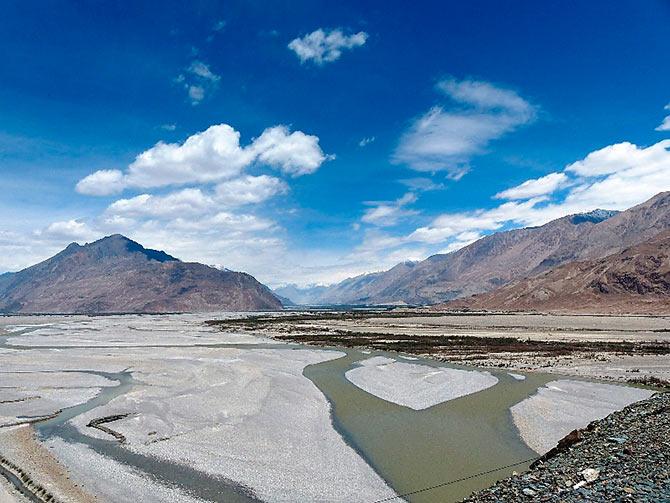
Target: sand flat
[416,386]
[564,405]
[247,416]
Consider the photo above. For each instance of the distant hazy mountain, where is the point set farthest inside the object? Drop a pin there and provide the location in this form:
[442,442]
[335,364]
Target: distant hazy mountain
[300,295]
[116,274]
[636,280]
[357,290]
[503,257]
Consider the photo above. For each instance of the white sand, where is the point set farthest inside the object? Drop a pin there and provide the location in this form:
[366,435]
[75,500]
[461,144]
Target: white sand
[416,386]
[518,377]
[8,494]
[41,393]
[20,446]
[564,405]
[113,481]
[128,331]
[248,415]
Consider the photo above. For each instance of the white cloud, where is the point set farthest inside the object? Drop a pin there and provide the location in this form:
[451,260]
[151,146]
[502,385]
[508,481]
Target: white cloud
[168,127]
[178,204]
[446,140]
[421,183]
[485,96]
[294,153]
[665,125]
[535,187]
[202,70]
[211,232]
[620,176]
[386,213]
[239,222]
[621,157]
[249,190]
[462,240]
[198,80]
[102,183]
[196,93]
[195,204]
[70,230]
[324,47]
[209,157]
[366,141]
[616,177]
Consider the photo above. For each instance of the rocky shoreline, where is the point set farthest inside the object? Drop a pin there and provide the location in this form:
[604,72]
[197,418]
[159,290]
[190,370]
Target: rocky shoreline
[624,457]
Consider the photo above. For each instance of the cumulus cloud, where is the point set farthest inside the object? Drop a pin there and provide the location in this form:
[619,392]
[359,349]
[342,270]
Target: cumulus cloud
[102,183]
[665,125]
[620,157]
[69,230]
[193,203]
[294,153]
[249,190]
[383,214]
[446,139]
[535,187]
[324,47]
[178,204]
[210,156]
[204,157]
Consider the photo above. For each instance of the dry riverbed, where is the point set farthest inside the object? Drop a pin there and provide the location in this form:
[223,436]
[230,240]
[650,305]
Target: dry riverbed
[175,408]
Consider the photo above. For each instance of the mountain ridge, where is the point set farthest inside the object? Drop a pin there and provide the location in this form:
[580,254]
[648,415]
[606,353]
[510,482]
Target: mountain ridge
[117,274]
[503,257]
[633,281]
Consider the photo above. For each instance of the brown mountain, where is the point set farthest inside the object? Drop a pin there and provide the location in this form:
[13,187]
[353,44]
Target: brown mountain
[118,275]
[504,257]
[636,280]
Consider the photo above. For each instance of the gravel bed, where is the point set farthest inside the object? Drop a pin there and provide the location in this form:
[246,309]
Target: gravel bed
[624,457]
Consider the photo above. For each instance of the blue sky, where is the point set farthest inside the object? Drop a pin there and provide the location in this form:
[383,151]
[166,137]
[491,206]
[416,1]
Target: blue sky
[310,141]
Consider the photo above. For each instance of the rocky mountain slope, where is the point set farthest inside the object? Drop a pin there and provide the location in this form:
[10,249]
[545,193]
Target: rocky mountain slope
[504,257]
[636,280]
[116,274]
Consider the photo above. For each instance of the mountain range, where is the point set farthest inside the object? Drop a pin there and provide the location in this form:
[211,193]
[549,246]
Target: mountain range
[604,261]
[501,258]
[635,280]
[118,275]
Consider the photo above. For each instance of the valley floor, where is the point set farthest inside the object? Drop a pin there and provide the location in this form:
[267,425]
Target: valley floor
[632,349]
[178,408]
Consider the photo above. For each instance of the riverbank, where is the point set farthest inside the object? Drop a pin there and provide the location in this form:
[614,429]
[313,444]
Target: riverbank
[38,472]
[624,457]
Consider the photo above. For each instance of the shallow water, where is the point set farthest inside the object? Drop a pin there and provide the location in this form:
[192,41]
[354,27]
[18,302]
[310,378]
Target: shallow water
[416,449]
